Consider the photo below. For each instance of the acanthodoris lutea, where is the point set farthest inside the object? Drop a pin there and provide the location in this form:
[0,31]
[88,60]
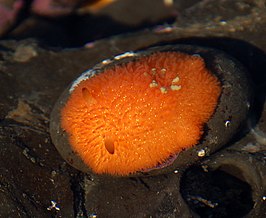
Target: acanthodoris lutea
[136,115]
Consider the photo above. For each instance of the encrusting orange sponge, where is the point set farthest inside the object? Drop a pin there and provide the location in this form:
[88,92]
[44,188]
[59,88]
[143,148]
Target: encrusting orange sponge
[137,115]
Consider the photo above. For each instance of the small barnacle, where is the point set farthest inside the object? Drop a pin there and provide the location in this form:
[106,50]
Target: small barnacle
[227,123]
[201,153]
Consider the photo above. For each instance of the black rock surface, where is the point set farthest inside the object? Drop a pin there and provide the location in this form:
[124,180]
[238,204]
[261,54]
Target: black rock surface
[32,77]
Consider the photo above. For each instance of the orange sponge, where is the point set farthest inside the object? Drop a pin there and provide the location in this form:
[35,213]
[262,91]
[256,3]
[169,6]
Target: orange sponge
[136,115]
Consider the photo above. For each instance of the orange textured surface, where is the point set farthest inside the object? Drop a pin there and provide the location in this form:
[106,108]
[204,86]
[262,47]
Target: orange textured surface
[136,115]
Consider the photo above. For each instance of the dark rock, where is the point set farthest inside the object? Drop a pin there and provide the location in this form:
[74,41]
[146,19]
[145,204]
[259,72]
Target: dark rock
[30,89]
[230,114]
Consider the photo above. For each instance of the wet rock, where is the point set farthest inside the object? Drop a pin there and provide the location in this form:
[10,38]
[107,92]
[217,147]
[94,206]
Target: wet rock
[38,82]
[140,197]
[230,114]
[240,169]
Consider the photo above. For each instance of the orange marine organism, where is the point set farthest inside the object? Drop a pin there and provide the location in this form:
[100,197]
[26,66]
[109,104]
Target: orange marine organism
[136,115]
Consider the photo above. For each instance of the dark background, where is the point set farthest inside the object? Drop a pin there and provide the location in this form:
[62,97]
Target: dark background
[40,56]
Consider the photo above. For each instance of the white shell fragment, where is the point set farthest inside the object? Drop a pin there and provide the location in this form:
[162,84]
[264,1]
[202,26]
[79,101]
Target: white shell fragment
[201,153]
[125,55]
